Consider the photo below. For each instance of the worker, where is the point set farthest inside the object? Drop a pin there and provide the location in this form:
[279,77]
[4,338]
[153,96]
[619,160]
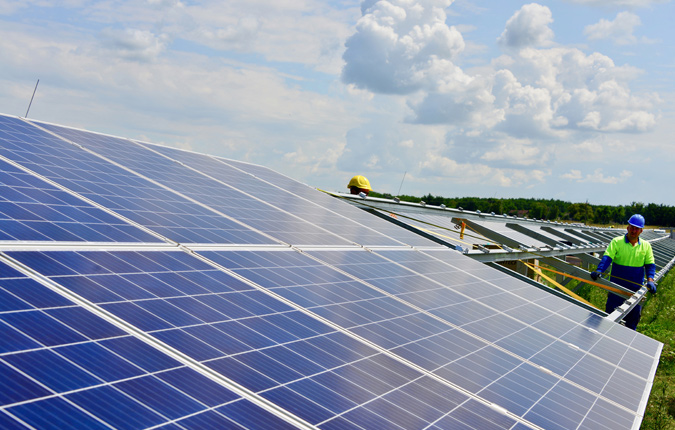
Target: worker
[359,184]
[630,258]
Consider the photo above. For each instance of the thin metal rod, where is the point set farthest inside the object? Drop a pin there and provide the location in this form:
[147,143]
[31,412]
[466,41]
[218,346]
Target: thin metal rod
[399,188]
[31,99]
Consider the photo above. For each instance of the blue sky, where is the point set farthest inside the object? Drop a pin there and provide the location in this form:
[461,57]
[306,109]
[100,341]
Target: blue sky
[561,99]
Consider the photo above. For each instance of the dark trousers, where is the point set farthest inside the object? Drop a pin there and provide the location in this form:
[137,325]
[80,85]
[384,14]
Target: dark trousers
[633,317]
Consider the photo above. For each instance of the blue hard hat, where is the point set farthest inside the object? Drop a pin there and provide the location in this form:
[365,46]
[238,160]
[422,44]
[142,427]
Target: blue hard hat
[637,220]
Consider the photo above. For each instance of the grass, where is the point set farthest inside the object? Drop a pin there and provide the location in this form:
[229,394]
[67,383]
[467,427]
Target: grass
[658,322]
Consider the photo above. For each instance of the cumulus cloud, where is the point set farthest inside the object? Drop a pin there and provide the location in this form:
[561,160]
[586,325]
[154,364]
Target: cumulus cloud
[528,27]
[534,100]
[466,102]
[585,92]
[620,30]
[402,46]
[134,44]
[535,91]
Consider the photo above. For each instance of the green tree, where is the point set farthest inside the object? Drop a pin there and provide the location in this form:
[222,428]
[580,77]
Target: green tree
[581,212]
[554,212]
[539,210]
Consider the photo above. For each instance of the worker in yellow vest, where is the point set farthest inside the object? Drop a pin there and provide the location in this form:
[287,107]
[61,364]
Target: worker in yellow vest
[631,259]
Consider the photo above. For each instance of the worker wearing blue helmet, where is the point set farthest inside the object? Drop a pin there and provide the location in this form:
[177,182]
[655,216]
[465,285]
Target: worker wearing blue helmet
[631,259]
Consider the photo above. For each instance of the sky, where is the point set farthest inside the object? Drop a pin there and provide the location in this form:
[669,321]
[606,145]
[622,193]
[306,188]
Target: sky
[562,99]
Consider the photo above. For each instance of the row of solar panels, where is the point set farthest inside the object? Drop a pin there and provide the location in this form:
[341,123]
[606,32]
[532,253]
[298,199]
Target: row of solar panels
[500,238]
[147,287]
[520,237]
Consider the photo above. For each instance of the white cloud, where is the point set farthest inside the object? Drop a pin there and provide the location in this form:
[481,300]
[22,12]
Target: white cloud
[166,3]
[134,44]
[528,27]
[586,91]
[461,100]
[573,175]
[402,46]
[444,169]
[597,177]
[516,152]
[239,34]
[620,31]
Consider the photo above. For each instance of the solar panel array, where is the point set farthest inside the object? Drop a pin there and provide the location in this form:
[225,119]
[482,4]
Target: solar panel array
[148,287]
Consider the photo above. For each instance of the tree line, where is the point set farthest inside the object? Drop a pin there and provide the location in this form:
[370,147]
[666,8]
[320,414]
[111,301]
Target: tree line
[554,210]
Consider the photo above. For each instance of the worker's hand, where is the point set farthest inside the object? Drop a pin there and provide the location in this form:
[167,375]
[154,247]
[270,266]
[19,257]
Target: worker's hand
[595,275]
[652,287]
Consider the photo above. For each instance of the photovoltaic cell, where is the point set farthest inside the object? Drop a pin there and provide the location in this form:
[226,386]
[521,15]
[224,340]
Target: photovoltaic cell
[31,209]
[431,322]
[301,201]
[283,355]
[64,367]
[127,194]
[338,337]
[221,197]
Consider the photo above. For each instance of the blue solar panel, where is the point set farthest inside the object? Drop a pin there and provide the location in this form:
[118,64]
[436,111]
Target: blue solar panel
[336,338]
[31,209]
[127,194]
[285,356]
[301,201]
[61,366]
[439,326]
[221,197]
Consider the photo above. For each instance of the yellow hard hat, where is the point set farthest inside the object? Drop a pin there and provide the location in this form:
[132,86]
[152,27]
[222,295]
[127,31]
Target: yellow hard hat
[359,181]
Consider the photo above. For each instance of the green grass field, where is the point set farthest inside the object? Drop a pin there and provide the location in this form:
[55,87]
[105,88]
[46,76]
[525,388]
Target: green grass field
[658,322]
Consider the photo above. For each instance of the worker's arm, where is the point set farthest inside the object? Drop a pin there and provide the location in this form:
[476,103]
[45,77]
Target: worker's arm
[602,266]
[604,263]
[650,269]
[651,272]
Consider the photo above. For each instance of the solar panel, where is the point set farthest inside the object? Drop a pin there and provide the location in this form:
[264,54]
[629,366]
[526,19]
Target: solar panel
[221,197]
[321,374]
[125,193]
[300,200]
[34,210]
[62,366]
[350,327]
[468,342]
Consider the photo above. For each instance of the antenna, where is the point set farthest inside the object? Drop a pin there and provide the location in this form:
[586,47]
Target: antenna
[399,188]
[31,99]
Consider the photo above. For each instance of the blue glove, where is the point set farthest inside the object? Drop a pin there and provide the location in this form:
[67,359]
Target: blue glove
[652,287]
[595,275]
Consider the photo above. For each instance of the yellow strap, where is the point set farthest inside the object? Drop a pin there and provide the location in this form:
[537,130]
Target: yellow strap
[554,282]
[588,281]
